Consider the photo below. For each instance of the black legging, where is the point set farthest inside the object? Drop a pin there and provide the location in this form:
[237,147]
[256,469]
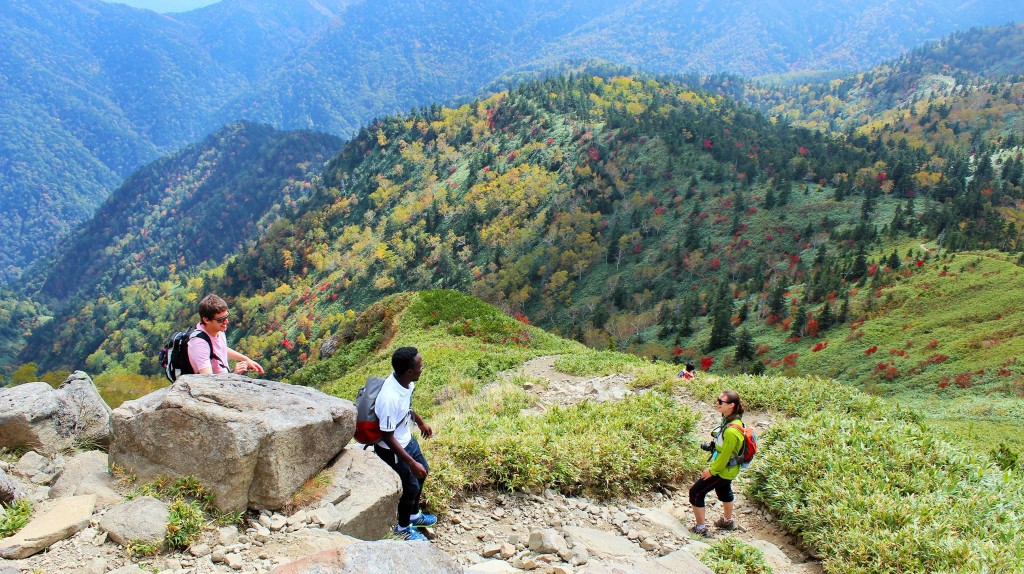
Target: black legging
[701,488]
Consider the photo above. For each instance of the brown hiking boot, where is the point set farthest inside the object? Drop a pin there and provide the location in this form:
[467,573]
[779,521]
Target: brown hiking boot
[725,524]
[700,530]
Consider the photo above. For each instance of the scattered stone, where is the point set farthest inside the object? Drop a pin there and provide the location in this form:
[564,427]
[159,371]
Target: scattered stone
[68,517]
[97,566]
[547,542]
[227,535]
[492,567]
[142,519]
[129,569]
[299,517]
[278,522]
[234,561]
[683,561]
[251,442]
[491,550]
[199,550]
[325,515]
[380,557]
[775,557]
[10,490]
[507,551]
[601,543]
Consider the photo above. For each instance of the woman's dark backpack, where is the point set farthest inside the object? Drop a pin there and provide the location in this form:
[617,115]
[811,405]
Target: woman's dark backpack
[174,355]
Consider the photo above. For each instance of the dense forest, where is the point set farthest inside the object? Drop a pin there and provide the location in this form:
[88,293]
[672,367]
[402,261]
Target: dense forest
[625,212]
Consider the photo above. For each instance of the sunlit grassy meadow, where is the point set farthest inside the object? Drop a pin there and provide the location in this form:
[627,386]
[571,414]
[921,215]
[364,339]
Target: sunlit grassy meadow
[866,482]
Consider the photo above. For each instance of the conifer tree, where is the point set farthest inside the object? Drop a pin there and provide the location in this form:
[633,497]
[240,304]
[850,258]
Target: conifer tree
[744,346]
[799,321]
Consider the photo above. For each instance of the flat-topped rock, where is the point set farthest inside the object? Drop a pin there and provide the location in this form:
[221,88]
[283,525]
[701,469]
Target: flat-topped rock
[65,519]
[251,442]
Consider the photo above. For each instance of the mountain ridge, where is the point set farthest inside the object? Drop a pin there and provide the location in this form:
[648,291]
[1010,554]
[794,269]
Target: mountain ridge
[153,83]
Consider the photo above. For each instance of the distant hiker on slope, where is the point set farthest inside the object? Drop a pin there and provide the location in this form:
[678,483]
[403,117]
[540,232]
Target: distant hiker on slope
[688,372]
[725,466]
[399,448]
[208,350]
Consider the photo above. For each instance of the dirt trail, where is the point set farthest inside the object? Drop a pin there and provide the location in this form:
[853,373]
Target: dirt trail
[497,517]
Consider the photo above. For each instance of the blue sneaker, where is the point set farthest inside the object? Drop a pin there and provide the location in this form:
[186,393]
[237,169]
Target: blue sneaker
[409,533]
[421,520]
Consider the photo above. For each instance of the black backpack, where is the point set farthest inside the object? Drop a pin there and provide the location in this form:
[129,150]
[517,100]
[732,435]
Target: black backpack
[174,355]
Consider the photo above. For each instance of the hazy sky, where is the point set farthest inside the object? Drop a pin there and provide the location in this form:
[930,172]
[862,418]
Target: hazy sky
[166,5]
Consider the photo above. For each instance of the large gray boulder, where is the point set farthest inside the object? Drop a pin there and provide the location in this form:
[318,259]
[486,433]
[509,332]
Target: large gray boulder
[49,420]
[380,557]
[251,442]
[364,492]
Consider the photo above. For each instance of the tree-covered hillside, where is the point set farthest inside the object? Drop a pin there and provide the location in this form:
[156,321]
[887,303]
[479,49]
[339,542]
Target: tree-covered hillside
[958,93]
[92,90]
[188,209]
[621,211]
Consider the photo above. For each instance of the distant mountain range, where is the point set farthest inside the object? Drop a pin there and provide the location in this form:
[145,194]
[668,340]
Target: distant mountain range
[89,91]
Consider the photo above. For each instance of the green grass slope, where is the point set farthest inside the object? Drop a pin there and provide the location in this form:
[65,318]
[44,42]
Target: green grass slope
[861,481]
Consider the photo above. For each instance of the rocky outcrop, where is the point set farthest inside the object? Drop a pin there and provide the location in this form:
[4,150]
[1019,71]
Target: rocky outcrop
[51,420]
[364,495]
[252,442]
[382,557]
[65,519]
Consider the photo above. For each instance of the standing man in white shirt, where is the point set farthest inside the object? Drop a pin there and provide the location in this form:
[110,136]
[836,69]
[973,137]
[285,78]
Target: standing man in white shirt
[208,350]
[398,448]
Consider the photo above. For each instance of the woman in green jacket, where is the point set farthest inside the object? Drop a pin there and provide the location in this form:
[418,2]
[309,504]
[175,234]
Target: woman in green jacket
[724,465]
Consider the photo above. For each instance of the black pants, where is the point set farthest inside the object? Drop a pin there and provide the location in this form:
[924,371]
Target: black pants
[409,504]
[701,488]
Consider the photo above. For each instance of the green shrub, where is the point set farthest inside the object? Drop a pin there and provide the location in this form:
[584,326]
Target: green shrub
[13,518]
[887,495]
[732,556]
[144,548]
[1004,457]
[184,524]
[604,450]
[594,364]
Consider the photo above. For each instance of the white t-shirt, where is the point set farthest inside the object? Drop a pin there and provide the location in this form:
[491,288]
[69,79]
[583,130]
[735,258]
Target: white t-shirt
[394,409]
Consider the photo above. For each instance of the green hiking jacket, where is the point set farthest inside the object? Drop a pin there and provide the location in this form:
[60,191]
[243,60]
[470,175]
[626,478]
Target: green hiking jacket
[727,445]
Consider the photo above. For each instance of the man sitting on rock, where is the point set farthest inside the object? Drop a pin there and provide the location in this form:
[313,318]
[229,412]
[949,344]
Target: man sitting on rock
[208,344]
[398,448]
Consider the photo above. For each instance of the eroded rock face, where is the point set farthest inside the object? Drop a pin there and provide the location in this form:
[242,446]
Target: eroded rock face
[251,442]
[364,495]
[50,420]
